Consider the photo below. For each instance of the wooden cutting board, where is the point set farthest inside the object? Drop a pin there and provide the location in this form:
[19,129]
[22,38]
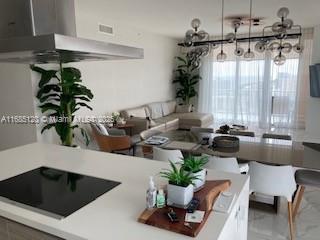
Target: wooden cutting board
[207,196]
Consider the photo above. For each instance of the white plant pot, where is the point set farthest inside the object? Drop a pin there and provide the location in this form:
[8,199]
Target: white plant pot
[179,196]
[198,183]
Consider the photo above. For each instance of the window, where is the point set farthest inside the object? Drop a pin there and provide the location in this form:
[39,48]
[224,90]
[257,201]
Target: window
[256,92]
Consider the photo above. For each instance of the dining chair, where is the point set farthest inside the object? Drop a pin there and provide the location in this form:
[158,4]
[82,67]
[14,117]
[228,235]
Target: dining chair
[223,164]
[227,164]
[113,140]
[241,133]
[165,155]
[274,181]
[304,178]
[276,136]
[201,130]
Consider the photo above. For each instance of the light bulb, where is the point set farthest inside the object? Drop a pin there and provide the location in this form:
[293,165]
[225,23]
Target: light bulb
[260,46]
[221,57]
[231,37]
[214,46]
[248,55]
[189,33]
[288,23]
[195,23]
[283,12]
[298,48]
[274,46]
[239,51]
[203,35]
[286,47]
[277,27]
[280,59]
[188,42]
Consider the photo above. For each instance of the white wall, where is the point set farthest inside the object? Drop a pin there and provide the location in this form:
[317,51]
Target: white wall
[16,99]
[126,83]
[313,111]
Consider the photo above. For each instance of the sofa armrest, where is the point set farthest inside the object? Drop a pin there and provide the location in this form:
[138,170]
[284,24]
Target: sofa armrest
[140,124]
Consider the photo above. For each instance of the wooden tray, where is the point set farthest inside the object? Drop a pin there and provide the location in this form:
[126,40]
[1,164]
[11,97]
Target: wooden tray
[207,195]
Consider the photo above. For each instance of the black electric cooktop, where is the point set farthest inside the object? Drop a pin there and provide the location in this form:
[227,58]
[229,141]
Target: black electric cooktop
[53,192]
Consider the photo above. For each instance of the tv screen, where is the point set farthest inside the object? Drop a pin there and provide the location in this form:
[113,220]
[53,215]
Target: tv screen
[315,80]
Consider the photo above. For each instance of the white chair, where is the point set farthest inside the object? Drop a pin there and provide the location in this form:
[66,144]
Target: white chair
[223,164]
[227,164]
[166,155]
[201,130]
[274,181]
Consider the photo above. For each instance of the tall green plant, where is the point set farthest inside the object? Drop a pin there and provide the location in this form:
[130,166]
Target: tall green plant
[186,78]
[61,94]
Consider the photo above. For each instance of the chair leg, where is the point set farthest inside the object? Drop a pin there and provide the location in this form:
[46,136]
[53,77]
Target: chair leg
[297,200]
[290,219]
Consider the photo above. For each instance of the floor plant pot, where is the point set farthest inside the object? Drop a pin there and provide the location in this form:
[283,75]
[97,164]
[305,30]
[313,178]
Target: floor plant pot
[179,196]
[198,183]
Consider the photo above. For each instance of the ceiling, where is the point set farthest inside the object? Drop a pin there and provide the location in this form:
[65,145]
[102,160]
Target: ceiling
[172,17]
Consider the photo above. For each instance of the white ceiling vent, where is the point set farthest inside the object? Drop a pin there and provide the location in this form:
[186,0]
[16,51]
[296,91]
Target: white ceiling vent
[105,29]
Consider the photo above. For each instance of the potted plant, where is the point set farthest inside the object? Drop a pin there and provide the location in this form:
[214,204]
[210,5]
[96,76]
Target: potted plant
[180,185]
[186,78]
[61,94]
[194,165]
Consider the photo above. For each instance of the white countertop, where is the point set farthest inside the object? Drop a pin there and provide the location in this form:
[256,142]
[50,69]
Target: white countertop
[114,214]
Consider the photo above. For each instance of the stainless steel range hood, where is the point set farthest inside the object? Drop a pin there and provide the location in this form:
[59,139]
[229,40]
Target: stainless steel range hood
[44,31]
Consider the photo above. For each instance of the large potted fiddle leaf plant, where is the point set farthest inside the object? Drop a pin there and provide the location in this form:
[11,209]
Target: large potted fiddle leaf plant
[61,94]
[186,78]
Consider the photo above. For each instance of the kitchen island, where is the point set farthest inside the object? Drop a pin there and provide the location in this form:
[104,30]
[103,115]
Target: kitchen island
[114,214]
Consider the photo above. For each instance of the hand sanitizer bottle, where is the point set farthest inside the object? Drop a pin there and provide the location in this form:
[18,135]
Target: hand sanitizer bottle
[161,200]
[151,194]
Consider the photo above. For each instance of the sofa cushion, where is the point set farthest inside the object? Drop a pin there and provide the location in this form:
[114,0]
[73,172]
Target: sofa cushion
[168,107]
[188,120]
[155,110]
[172,124]
[139,112]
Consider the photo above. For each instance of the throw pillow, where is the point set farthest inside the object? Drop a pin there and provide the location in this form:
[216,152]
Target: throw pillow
[183,108]
[155,110]
[139,112]
[102,129]
[168,107]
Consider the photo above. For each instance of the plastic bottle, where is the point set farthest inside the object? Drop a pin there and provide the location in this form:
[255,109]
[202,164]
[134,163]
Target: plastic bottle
[161,200]
[151,194]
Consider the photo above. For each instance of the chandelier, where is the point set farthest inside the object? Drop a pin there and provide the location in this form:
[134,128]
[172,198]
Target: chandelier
[273,38]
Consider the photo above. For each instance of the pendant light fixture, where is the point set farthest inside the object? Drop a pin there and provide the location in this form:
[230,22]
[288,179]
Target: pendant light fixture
[199,44]
[238,50]
[249,54]
[222,56]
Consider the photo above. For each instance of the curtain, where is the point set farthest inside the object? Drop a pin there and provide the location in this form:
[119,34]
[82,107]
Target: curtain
[257,92]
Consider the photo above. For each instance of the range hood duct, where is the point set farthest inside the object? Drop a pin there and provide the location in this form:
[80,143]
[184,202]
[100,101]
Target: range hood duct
[44,31]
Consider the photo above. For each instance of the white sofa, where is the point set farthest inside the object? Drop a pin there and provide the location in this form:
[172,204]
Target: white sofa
[165,116]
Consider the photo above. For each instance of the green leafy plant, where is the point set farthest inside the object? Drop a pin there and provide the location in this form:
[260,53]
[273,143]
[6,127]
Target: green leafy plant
[178,176]
[194,164]
[186,78]
[61,94]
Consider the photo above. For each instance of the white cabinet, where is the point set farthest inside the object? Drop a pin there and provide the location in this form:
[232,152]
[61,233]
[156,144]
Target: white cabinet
[237,224]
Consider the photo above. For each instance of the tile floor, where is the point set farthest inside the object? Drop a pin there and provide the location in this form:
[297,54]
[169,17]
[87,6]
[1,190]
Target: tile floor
[271,226]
